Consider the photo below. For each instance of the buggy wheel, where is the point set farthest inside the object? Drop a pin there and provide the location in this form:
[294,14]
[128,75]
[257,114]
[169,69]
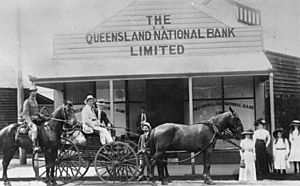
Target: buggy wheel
[116,162]
[67,164]
[69,161]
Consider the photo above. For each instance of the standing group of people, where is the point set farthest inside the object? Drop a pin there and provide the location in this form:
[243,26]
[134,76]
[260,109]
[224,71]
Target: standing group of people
[255,159]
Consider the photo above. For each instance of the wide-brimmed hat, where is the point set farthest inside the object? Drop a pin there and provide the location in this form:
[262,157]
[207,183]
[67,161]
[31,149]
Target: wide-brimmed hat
[249,131]
[89,97]
[32,88]
[295,122]
[100,102]
[146,124]
[260,121]
[276,132]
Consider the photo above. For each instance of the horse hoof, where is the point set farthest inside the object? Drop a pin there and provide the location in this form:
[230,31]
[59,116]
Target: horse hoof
[170,180]
[7,183]
[164,182]
[210,182]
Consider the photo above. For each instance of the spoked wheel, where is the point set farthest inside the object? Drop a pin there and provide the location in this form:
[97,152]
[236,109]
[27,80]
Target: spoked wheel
[116,162]
[67,165]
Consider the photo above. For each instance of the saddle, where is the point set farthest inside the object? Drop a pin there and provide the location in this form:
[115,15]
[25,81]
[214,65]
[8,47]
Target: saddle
[23,129]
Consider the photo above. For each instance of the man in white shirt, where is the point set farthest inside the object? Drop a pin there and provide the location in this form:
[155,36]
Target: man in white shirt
[90,123]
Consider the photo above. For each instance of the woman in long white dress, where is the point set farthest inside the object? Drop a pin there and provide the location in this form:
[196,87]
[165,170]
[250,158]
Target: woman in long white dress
[294,138]
[247,153]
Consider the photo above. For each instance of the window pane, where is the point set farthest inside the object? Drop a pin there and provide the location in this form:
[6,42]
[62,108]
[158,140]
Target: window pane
[207,88]
[102,90]
[238,87]
[119,91]
[137,91]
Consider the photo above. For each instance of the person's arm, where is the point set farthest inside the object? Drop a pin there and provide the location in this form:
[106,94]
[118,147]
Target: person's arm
[104,118]
[86,117]
[287,147]
[242,150]
[268,138]
[26,111]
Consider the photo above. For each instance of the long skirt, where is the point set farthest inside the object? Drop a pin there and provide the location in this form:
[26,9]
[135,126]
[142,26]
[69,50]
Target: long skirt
[249,172]
[262,158]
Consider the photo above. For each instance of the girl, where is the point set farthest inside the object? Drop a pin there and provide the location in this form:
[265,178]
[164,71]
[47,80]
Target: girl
[295,144]
[280,151]
[247,152]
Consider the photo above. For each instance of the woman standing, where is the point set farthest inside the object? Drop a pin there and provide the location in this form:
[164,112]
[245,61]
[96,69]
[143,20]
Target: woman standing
[295,144]
[281,150]
[247,152]
[262,140]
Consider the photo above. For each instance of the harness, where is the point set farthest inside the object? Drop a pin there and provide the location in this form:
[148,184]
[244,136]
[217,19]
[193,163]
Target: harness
[216,131]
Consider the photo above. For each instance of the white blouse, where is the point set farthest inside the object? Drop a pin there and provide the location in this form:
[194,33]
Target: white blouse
[262,134]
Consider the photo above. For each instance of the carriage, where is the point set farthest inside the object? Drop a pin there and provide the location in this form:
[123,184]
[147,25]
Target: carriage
[115,162]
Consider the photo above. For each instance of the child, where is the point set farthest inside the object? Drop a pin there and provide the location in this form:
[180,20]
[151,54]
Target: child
[280,151]
[247,152]
[295,144]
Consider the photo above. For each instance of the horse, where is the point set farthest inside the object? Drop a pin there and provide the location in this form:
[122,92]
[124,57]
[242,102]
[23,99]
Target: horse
[199,137]
[49,137]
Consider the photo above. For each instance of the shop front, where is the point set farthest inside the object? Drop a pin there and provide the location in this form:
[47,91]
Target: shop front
[179,62]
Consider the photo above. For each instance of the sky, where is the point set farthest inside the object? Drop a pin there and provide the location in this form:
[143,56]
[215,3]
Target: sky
[37,22]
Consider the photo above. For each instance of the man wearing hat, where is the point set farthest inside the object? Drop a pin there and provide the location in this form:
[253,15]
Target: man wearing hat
[90,123]
[294,137]
[146,128]
[101,114]
[32,115]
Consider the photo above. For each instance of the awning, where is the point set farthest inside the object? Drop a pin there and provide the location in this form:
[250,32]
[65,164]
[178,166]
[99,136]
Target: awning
[255,63]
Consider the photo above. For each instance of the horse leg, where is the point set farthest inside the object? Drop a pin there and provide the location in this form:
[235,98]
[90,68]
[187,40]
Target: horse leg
[53,158]
[47,161]
[8,155]
[206,171]
[165,169]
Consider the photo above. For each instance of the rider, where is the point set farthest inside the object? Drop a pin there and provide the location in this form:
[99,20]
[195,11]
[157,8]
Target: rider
[32,115]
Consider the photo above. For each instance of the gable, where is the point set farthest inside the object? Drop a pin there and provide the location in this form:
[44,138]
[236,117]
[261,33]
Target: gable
[164,28]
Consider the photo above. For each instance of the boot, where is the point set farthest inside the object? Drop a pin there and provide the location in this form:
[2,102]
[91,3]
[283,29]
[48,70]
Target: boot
[36,147]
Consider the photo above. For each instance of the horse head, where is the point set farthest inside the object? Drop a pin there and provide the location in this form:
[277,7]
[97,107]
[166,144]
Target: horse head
[69,112]
[231,121]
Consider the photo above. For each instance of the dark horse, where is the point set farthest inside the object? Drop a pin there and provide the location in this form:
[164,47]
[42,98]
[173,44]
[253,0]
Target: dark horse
[49,137]
[199,137]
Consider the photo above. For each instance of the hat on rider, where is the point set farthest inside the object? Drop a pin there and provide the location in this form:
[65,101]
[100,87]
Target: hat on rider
[144,123]
[32,88]
[100,102]
[88,98]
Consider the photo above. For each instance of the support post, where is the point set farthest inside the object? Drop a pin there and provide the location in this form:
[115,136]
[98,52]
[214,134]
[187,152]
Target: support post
[272,116]
[191,117]
[111,96]
[20,89]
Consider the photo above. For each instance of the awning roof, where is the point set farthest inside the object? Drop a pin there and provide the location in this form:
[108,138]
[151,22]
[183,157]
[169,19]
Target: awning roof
[255,63]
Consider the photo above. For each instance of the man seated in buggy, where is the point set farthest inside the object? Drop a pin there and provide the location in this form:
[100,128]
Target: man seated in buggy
[90,123]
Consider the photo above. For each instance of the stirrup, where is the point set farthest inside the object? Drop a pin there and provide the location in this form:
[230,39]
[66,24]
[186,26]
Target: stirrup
[36,149]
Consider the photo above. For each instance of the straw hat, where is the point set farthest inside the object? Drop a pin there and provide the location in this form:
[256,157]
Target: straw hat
[276,132]
[249,131]
[88,97]
[146,124]
[295,123]
[32,88]
[100,102]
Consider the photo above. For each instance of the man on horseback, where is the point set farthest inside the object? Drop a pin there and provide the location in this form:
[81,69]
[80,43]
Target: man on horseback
[90,123]
[32,116]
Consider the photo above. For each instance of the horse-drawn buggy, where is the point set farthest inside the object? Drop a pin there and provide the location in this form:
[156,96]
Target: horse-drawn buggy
[113,162]
[116,162]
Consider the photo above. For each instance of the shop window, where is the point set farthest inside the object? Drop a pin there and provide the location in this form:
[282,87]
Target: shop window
[137,91]
[238,87]
[77,91]
[207,88]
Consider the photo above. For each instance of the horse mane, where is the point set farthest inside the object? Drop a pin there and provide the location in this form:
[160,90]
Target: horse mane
[57,111]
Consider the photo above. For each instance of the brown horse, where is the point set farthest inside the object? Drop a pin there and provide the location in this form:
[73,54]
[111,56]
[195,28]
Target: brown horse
[199,137]
[49,138]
